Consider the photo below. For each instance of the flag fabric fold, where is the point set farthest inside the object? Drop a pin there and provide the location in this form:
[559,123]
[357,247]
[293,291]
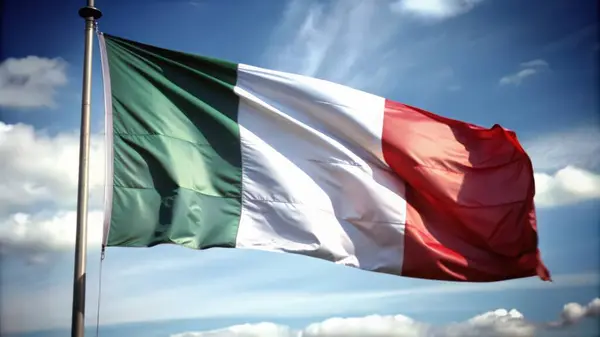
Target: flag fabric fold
[207,153]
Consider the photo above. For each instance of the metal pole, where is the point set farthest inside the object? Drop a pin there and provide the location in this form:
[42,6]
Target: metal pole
[90,14]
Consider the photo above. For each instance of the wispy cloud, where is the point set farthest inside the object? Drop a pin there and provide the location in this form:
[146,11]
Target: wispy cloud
[343,41]
[579,147]
[250,301]
[434,9]
[587,34]
[558,281]
[535,64]
[361,44]
[529,69]
[517,77]
[196,3]
[31,82]
[259,291]
[497,323]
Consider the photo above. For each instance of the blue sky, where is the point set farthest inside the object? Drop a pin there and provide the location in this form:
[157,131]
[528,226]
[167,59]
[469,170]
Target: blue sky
[528,67]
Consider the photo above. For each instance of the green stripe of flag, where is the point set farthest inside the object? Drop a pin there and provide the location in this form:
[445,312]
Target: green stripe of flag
[177,161]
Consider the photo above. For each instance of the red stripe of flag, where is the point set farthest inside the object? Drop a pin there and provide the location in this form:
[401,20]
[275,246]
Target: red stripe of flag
[470,209]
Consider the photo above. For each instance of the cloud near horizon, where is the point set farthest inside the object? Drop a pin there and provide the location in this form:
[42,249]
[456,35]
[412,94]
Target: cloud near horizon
[31,82]
[497,323]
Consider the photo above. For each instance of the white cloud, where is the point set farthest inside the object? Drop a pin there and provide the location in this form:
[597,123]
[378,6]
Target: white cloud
[566,164]
[579,147]
[500,322]
[573,313]
[42,232]
[567,186]
[43,168]
[38,190]
[530,68]
[434,9]
[497,323]
[373,325]
[31,82]
[593,308]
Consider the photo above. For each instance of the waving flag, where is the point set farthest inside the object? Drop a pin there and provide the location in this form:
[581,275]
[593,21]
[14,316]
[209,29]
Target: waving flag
[207,153]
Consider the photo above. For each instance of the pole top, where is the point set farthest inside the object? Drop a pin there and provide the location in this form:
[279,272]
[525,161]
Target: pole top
[90,12]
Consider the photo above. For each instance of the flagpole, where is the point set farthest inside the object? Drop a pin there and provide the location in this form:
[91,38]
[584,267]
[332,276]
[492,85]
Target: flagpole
[90,14]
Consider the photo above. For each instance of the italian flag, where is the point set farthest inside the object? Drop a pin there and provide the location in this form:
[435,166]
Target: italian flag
[206,153]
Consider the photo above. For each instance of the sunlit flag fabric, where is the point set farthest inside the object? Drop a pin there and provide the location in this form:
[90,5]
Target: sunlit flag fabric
[206,153]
